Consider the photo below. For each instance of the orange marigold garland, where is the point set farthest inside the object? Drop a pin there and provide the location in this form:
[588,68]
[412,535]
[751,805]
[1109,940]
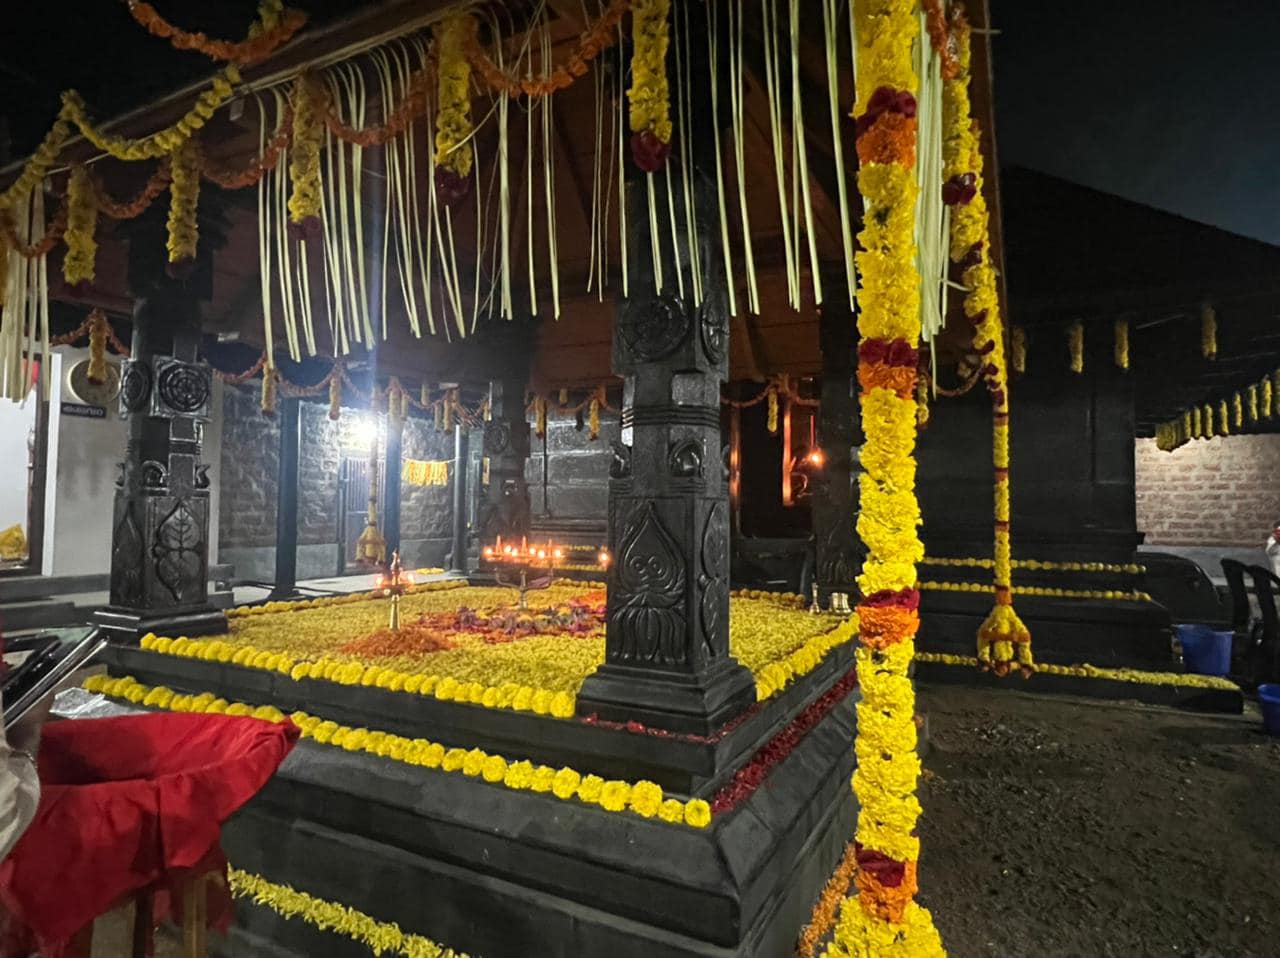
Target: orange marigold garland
[156,184]
[649,95]
[274,27]
[184,197]
[453,116]
[99,330]
[82,220]
[884,920]
[1003,639]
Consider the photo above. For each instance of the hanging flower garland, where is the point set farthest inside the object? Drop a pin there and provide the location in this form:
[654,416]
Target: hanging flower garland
[53,234]
[885,920]
[1075,346]
[41,160]
[156,184]
[598,37]
[1122,343]
[1208,332]
[82,220]
[1003,639]
[164,141]
[1018,350]
[453,116]
[99,333]
[274,27]
[184,197]
[259,165]
[304,159]
[649,95]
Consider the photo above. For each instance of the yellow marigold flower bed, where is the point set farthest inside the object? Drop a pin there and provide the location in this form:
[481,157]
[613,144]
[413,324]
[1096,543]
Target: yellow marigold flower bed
[777,639]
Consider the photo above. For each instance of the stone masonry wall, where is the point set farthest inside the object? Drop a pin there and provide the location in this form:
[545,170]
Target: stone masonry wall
[250,462]
[577,469]
[1223,492]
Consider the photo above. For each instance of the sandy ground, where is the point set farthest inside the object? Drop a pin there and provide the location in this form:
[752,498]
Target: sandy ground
[1073,827]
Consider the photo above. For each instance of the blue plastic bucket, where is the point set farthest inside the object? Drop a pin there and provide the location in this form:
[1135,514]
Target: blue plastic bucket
[1269,699]
[1204,650]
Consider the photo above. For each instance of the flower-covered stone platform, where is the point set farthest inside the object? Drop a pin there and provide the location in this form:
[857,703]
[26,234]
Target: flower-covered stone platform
[446,784]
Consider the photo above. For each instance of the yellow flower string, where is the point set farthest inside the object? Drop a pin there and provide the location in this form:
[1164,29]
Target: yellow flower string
[1122,343]
[1208,332]
[304,157]
[378,936]
[1040,565]
[162,142]
[184,197]
[641,798]
[885,921]
[1003,639]
[1075,346]
[1132,595]
[82,221]
[1132,676]
[42,160]
[649,96]
[453,77]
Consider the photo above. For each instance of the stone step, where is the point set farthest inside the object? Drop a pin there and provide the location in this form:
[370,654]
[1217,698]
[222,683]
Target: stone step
[41,613]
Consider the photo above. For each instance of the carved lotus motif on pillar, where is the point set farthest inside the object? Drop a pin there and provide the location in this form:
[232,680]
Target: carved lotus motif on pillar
[179,553]
[648,606]
[126,560]
[712,583]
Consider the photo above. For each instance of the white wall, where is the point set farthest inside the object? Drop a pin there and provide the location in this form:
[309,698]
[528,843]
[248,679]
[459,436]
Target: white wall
[82,479]
[83,457]
[16,421]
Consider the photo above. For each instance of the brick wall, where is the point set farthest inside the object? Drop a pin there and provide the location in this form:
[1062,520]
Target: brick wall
[1223,492]
[250,463]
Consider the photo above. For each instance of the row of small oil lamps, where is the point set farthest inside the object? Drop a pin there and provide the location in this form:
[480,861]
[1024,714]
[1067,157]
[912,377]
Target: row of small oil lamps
[531,555]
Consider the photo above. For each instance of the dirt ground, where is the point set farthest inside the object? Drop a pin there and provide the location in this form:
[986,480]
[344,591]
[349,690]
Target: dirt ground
[1071,827]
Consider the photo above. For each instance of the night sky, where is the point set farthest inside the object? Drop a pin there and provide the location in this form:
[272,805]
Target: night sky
[1171,103]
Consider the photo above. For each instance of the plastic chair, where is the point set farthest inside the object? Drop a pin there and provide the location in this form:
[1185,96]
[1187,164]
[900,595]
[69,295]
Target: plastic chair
[1266,657]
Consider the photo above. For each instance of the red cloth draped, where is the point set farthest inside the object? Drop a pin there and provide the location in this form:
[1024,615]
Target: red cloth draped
[127,804]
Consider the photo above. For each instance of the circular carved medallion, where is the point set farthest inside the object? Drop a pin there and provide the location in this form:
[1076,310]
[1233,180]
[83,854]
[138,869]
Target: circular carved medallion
[134,386]
[653,328]
[497,437]
[714,331]
[183,388]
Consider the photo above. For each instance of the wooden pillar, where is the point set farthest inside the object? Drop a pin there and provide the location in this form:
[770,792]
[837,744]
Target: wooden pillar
[835,493]
[461,451]
[286,581]
[160,518]
[667,662]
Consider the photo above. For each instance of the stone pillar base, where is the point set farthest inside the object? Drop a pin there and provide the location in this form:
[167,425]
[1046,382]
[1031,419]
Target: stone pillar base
[697,703]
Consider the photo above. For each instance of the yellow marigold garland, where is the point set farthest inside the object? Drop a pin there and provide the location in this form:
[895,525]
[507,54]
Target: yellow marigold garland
[379,936]
[1075,346]
[649,96]
[1208,332]
[82,220]
[184,197]
[1122,343]
[41,160]
[1132,676]
[1003,639]
[304,158]
[885,921]
[642,798]
[453,113]
[99,331]
[162,142]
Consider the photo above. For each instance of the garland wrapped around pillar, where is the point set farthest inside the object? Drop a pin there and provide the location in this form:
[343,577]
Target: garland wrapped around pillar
[885,920]
[1003,639]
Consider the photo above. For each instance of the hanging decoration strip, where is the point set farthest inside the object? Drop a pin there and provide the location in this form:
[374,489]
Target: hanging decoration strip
[453,116]
[304,159]
[1245,408]
[425,472]
[884,919]
[1003,639]
[649,96]
[259,165]
[53,234]
[82,220]
[184,196]
[156,184]
[275,26]
[164,141]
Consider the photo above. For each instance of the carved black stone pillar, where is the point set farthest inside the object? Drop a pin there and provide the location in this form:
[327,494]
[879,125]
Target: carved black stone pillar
[835,495]
[505,510]
[160,520]
[286,581]
[391,485]
[461,452]
[667,661]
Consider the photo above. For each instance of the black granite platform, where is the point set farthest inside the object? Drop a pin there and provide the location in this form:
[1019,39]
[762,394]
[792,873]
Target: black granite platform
[681,763]
[495,872]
